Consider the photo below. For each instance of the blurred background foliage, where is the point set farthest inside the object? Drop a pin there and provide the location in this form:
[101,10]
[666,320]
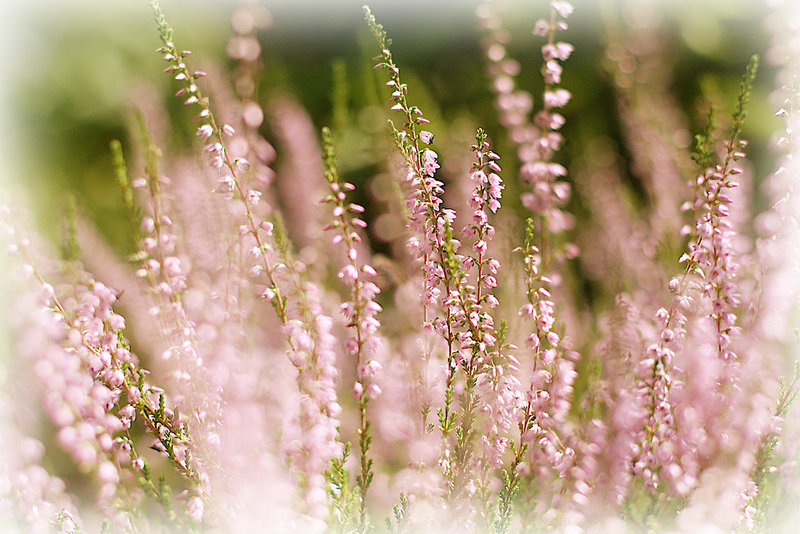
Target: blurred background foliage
[82,62]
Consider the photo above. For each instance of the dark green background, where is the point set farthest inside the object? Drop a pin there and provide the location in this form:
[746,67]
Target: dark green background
[71,95]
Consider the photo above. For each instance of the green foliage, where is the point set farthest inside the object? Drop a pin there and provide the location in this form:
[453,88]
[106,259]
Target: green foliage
[280,236]
[377,30]
[765,474]
[345,499]
[164,29]
[70,250]
[703,153]
[396,524]
[745,93]
[445,422]
[132,210]
[451,262]
[329,157]
[364,479]
[652,511]
[339,95]
[505,506]
[465,432]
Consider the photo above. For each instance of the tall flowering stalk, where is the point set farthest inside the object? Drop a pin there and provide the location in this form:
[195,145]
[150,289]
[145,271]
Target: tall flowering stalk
[468,326]
[712,254]
[496,371]
[489,384]
[655,459]
[159,264]
[359,311]
[654,387]
[513,104]
[548,401]
[709,271]
[306,328]
[309,332]
[543,427]
[428,219]
[539,140]
[540,171]
[230,167]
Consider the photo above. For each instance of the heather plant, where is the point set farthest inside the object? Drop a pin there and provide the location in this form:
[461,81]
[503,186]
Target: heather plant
[260,359]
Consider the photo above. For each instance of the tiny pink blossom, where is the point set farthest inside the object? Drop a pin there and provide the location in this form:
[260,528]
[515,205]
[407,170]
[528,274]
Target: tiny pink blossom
[541,28]
[195,509]
[563,8]
[373,391]
[426,137]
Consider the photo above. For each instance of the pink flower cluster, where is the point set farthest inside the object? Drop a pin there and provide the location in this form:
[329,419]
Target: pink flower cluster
[96,335]
[548,400]
[548,192]
[314,441]
[77,402]
[360,312]
[713,254]
[656,439]
[94,390]
[469,304]
[536,141]
[495,371]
